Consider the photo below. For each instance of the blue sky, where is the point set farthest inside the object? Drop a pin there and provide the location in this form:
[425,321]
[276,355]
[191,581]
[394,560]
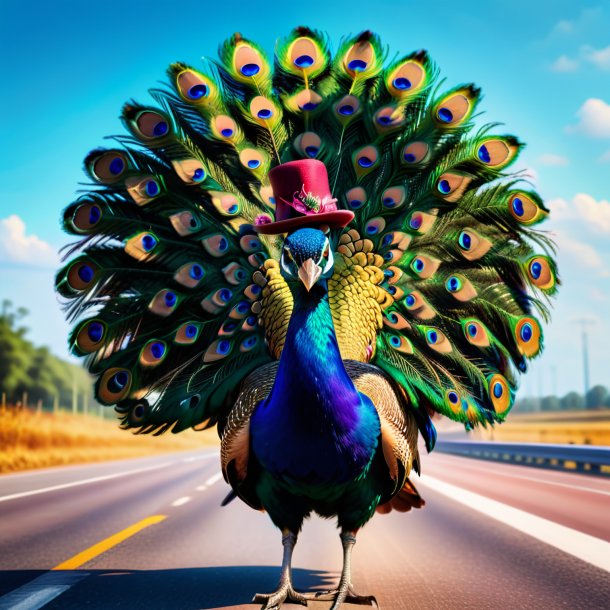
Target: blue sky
[544,68]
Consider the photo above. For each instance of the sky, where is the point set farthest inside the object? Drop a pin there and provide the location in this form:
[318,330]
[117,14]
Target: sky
[544,67]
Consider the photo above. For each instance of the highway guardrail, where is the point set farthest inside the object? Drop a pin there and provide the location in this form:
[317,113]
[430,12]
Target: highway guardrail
[576,458]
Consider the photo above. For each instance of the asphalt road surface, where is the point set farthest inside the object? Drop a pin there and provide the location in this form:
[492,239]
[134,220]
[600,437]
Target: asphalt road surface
[149,533]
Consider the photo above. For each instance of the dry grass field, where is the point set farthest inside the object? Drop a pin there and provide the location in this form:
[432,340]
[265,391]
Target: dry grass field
[578,427]
[32,440]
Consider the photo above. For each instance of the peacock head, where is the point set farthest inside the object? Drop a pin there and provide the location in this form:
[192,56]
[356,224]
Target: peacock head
[307,256]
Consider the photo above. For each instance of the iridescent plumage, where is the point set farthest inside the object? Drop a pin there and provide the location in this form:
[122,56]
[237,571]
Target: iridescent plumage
[425,303]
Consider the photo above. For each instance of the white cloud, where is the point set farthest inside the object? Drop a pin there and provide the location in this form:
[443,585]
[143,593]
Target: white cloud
[600,57]
[18,247]
[594,119]
[583,207]
[553,160]
[582,252]
[605,158]
[596,213]
[564,64]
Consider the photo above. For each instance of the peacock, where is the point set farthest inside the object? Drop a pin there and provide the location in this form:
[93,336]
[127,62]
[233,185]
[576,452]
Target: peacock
[316,254]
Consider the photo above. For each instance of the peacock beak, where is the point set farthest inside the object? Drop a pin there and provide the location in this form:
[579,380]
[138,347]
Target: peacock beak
[309,273]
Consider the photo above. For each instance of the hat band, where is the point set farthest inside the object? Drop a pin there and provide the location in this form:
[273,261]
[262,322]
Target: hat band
[310,204]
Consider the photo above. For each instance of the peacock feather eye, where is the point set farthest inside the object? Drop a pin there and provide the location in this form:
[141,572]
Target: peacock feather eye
[153,353]
[164,302]
[460,287]
[365,159]
[393,197]
[241,310]
[475,332]
[90,337]
[106,166]
[114,385]
[415,153]
[453,283]
[528,336]
[248,63]
[308,144]
[253,159]
[500,394]
[81,275]
[190,275]
[424,266]
[218,350]
[526,208]
[235,274]
[346,108]
[465,240]
[249,344]
[190,171]
[86,217]
[375,226]
[395,321]
[193,87]
[187,333]
[437,340]
[472,245]
[216,245]
[399,343]
[455,108]
[150,125]
[541,272]
[454,402]
[262,110]
[498,152]
[356,197]
[451,186]
[359,59]
[250,243]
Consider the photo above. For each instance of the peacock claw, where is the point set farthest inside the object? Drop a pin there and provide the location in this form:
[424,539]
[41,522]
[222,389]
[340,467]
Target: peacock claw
[274,601]
[348,596]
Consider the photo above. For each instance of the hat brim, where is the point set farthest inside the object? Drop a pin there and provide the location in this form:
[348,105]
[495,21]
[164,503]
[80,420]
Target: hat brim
[335,220]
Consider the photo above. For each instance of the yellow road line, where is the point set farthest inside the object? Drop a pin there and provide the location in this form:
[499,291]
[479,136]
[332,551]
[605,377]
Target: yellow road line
[101,547]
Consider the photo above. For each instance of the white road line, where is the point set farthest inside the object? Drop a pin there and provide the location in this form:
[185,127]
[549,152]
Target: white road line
[481,468]
[106,477]
[197,458]
[585,547]
[181,501]
[40,591]
[202,488]
[214,479]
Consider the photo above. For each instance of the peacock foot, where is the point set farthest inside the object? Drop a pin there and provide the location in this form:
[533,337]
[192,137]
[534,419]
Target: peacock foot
[284,593]
[344,595]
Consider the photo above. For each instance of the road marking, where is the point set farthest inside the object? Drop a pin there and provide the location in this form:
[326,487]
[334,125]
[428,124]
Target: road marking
[101,547]
[202,488]
[106,477]
[181,501]
[214,479]
[585,547]
[40,591]
[481,468]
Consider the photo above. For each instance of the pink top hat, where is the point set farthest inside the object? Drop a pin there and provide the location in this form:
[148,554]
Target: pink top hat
[302,199]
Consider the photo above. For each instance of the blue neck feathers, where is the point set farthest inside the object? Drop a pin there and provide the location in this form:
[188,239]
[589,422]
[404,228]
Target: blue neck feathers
[314,410]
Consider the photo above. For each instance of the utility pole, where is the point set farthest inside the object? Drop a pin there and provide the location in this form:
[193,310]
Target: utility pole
[584,322]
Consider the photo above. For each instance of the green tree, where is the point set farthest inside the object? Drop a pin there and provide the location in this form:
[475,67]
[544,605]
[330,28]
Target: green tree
[572,401]
[596,396]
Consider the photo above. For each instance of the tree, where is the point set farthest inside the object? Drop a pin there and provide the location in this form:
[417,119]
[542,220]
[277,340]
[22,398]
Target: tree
[596,396]
[572,401]
[550,403]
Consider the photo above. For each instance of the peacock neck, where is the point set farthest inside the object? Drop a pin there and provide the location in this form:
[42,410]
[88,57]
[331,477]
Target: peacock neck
[314,425]
[311,372]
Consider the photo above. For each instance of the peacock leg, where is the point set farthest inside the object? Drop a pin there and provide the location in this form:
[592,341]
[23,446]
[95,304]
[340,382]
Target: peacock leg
[285,590]
[345,591]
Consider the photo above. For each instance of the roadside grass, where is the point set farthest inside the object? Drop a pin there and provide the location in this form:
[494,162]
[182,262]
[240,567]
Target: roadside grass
[38,440]
[561,427]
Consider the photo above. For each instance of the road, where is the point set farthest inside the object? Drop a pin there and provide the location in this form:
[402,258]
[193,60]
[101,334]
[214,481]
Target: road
[488,538]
